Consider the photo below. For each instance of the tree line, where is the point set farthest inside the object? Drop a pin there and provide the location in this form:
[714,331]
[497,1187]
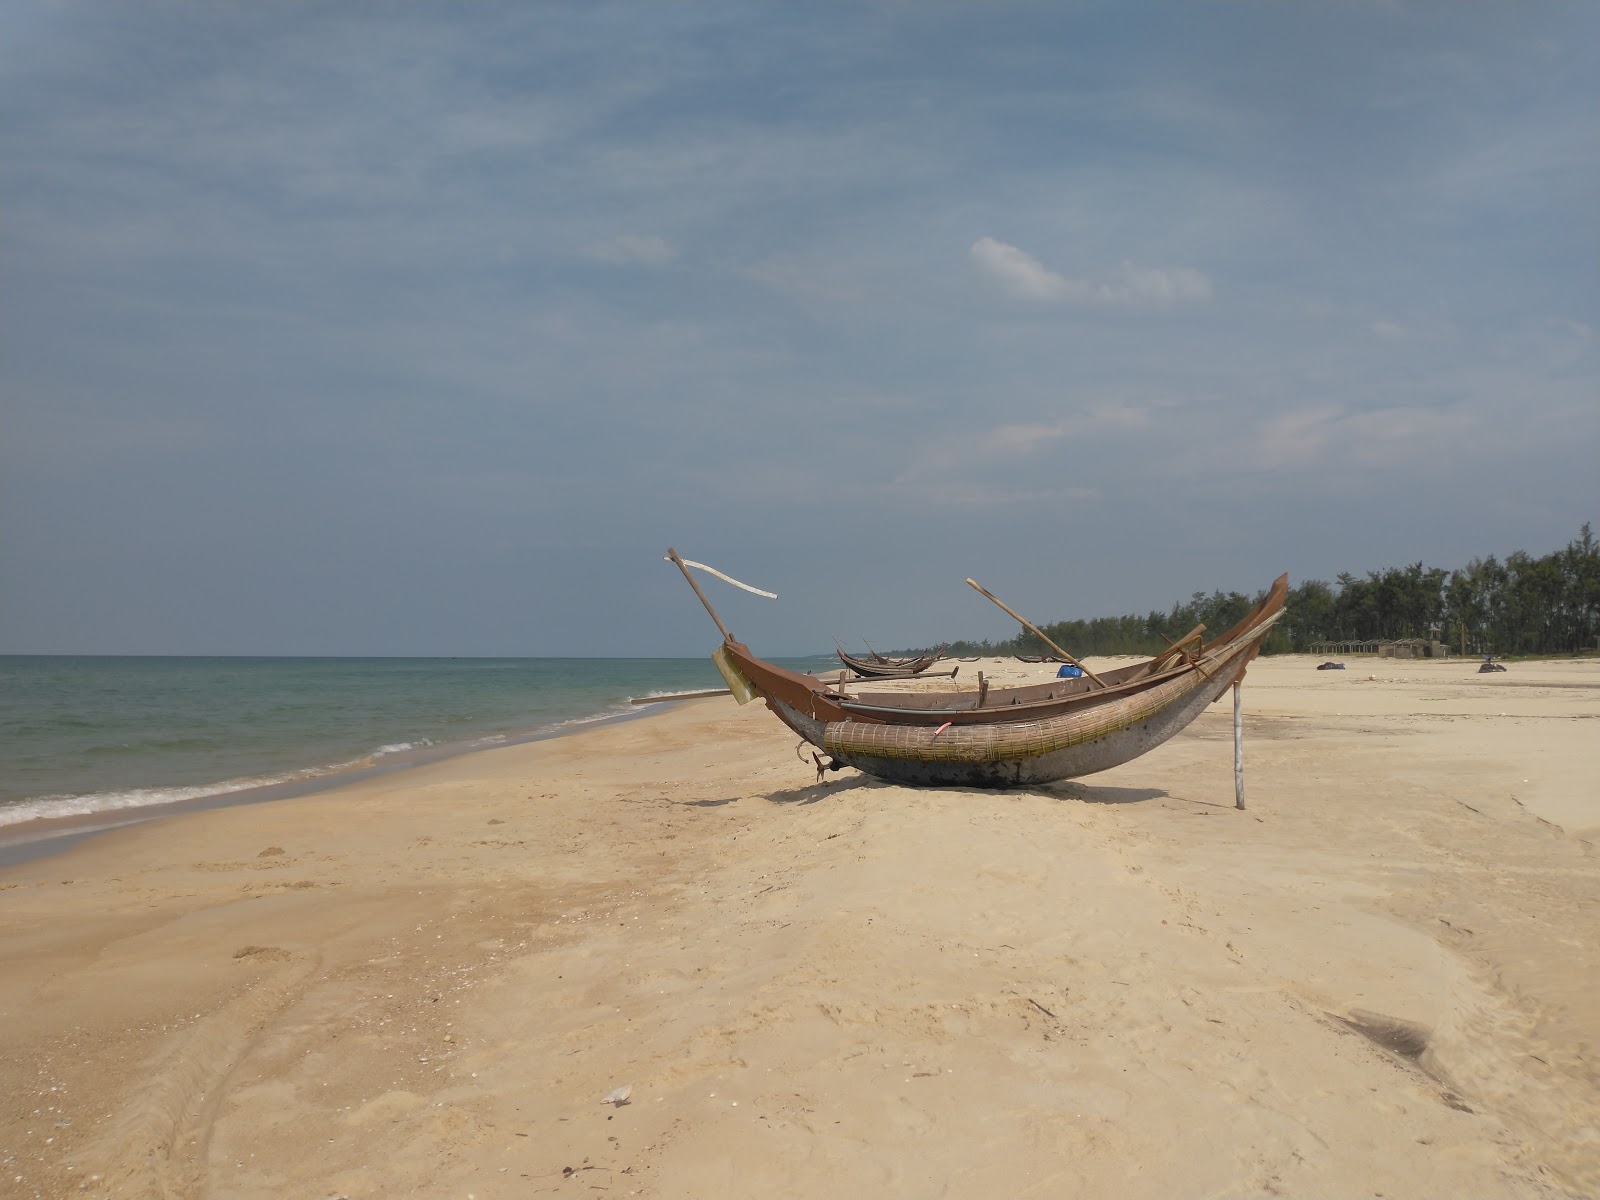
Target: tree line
[1523,605]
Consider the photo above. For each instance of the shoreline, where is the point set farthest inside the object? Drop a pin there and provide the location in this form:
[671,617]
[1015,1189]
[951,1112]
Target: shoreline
[41,837]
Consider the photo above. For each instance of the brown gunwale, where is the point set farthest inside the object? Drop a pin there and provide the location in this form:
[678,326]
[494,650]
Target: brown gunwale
[1000,712]
[809,696]
[1049,690]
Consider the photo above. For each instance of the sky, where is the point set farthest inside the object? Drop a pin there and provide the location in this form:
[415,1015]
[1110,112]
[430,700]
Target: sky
[389,328]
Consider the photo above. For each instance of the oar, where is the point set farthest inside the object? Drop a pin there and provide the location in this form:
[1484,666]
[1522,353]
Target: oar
[1037,632]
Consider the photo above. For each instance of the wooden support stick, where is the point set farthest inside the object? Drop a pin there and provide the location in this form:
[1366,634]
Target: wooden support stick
[1176,648]
[679,696]
[673,555]
[1238,747]
[950,674]
[1035,630]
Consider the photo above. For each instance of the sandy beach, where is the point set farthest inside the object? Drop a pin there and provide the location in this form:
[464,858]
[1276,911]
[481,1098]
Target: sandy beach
[1377,980]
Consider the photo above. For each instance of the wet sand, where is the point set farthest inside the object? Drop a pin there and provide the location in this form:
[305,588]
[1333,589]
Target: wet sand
[1379,979]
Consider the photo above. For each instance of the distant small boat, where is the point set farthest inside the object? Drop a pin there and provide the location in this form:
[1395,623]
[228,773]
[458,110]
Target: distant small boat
[878,667]
[929,658]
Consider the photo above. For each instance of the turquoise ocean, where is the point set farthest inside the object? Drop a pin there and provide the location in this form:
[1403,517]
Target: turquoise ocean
[88,735]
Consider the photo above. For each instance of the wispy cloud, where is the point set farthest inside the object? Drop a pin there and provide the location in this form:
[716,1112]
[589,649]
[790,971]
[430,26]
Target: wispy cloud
[1389,437]
[649,250]
[966,494]
[1001,460]
[808,278]
[1020,275]
[1412,329]
[1009,440]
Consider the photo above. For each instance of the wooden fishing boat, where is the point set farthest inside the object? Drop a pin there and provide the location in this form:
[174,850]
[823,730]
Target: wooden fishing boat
[929,658]
[1010,736]
[879,667]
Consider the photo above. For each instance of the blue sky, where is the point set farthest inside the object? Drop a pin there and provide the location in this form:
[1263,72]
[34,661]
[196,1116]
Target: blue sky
[425,329]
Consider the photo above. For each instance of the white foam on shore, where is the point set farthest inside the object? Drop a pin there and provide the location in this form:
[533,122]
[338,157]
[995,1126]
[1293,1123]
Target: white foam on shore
[90,803]
[590,720]
[43,807]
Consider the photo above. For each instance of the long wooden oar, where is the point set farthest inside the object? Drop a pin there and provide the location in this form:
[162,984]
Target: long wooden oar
[1039,633]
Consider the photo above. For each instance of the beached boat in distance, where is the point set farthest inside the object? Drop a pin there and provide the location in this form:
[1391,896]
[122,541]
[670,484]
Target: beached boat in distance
[929,658]
[879,667]
[1002,736]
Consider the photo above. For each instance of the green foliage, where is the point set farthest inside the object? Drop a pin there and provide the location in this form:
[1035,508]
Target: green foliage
[1526,605]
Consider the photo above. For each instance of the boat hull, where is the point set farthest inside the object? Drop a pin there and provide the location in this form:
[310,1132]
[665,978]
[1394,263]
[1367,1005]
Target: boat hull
[1035,752]
[1088,737]
[906,669]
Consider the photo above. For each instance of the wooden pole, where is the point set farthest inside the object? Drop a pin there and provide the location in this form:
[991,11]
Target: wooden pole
[1038,633]
[679,696]
[1238,747]
[673,555]
[861,678]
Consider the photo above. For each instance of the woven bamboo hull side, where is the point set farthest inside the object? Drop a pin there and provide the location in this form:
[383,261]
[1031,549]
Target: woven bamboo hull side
[1030,752]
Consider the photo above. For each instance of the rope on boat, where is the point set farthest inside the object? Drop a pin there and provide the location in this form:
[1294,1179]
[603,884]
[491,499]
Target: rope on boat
[689,562]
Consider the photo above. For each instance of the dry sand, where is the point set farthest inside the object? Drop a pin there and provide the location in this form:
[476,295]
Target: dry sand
[1379,980]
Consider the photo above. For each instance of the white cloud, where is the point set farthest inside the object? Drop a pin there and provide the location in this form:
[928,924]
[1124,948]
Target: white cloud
[1156,286]
[1021,275]
[635,248]
[1018,273]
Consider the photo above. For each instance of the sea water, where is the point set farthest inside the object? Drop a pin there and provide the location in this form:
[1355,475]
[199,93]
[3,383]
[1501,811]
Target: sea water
[86,735]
